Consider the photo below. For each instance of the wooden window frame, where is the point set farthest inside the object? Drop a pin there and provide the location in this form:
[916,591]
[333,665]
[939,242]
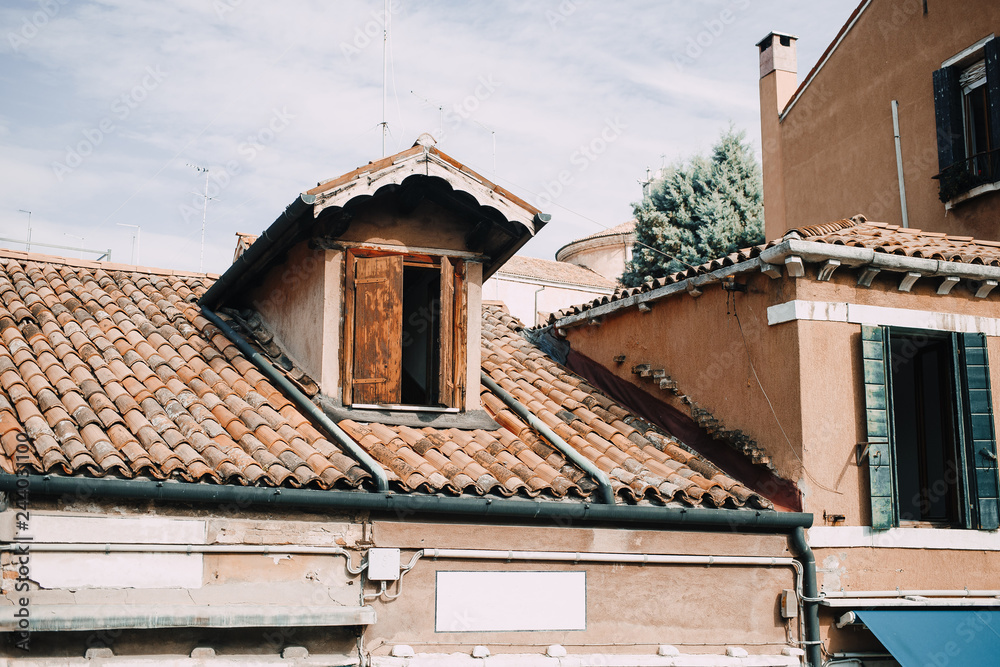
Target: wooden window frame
[452,338]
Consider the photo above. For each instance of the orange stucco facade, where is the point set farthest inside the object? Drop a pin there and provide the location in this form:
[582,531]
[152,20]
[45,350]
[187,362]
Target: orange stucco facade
[807,412]
[829,149]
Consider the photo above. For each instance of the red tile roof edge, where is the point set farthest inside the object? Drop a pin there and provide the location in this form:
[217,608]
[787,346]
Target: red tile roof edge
[21,255]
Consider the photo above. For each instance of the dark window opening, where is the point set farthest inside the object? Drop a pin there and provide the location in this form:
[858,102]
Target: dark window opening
[421,335]
[967,113]
[925,427]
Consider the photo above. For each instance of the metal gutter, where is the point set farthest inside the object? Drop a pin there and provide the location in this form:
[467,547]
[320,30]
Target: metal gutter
[302,401]
[607,493]
[404,504]
[302,204]
[84,618]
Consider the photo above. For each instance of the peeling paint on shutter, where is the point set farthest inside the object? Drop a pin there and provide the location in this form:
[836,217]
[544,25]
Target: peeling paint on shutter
[378,329]
[948,114]
[877,412]
[446,381]
[980,432]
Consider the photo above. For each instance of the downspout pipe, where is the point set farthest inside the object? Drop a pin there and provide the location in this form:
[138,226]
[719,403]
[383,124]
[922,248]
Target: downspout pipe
[606,492]
[302,401]
[810,595]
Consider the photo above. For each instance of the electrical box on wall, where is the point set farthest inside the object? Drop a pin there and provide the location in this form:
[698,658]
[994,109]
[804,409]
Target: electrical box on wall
[789,603]
[383,564]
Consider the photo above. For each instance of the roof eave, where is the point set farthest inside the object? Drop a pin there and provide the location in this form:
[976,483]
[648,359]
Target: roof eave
[257,253]
[770,260]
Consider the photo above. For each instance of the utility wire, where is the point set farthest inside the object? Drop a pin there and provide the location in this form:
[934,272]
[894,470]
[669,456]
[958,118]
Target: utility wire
[771,406]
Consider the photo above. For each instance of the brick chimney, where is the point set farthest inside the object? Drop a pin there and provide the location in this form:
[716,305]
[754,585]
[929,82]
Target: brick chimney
[778,81]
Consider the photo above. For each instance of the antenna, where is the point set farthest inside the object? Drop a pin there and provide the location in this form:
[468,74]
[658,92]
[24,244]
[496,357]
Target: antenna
[440,108]
[494,135]
[204,214]
[27,246]
[385,41]
[135,241]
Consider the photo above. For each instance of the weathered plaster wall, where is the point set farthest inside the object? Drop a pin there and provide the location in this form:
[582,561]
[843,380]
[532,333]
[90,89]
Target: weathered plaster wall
[837,141]
[293,294]
[630,608]
[698,342]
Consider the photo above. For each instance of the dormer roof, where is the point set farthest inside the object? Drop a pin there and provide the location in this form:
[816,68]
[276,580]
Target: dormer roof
[499,222]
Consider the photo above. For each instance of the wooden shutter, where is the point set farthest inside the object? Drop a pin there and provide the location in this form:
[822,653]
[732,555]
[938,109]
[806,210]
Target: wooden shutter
[948,114]
[877,411]
[979,430]
[376,365]
[992,57]
[446,379]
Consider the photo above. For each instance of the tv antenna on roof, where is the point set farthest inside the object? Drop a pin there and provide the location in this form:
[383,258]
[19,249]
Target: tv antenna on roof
[440,107]
[204,214]
[27,246]
[385,68]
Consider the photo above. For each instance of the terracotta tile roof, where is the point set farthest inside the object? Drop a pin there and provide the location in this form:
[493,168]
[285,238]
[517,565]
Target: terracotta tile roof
[117,373]
[857,232]
[114,373]
[561,272]
[906,241]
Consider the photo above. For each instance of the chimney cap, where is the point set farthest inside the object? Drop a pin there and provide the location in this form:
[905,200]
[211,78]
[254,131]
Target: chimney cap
[770,38]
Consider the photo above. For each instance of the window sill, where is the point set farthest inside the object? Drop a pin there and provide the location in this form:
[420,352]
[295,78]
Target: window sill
[977,191]
[956,539]
[402,416]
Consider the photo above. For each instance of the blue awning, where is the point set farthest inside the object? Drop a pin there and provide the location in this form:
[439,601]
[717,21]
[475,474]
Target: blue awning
[920,637]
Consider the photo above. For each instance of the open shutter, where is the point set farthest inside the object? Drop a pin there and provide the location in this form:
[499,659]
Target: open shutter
[979,429]
[948,113]
[446,381]
[877,411]
[378,330]
[992,55]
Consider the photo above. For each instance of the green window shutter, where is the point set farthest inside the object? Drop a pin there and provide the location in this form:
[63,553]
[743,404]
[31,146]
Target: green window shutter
[877,411]
[980,433]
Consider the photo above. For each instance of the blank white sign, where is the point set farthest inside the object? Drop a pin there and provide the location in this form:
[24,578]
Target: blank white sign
[510,601]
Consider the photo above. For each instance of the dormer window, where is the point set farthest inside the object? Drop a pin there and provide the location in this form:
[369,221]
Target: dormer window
[366,291]
[402,347]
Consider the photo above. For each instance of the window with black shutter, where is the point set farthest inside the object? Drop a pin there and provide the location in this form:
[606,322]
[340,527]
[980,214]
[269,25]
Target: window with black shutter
[931,447]
[967,111]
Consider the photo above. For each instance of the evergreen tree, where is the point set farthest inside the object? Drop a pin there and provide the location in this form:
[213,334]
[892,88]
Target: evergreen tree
[698,211]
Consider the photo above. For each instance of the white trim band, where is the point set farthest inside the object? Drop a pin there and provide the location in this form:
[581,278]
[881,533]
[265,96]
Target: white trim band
[833,311]
[955,539]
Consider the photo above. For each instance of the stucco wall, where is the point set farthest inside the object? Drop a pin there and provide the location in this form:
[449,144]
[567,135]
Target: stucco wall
[837,141]
[698,342]
[293,293]
[630,608]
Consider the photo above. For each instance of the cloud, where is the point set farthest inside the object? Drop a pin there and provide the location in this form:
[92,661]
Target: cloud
[558,73]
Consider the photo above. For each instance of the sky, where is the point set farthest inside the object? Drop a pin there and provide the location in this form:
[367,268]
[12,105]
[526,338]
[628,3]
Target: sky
[110,110]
